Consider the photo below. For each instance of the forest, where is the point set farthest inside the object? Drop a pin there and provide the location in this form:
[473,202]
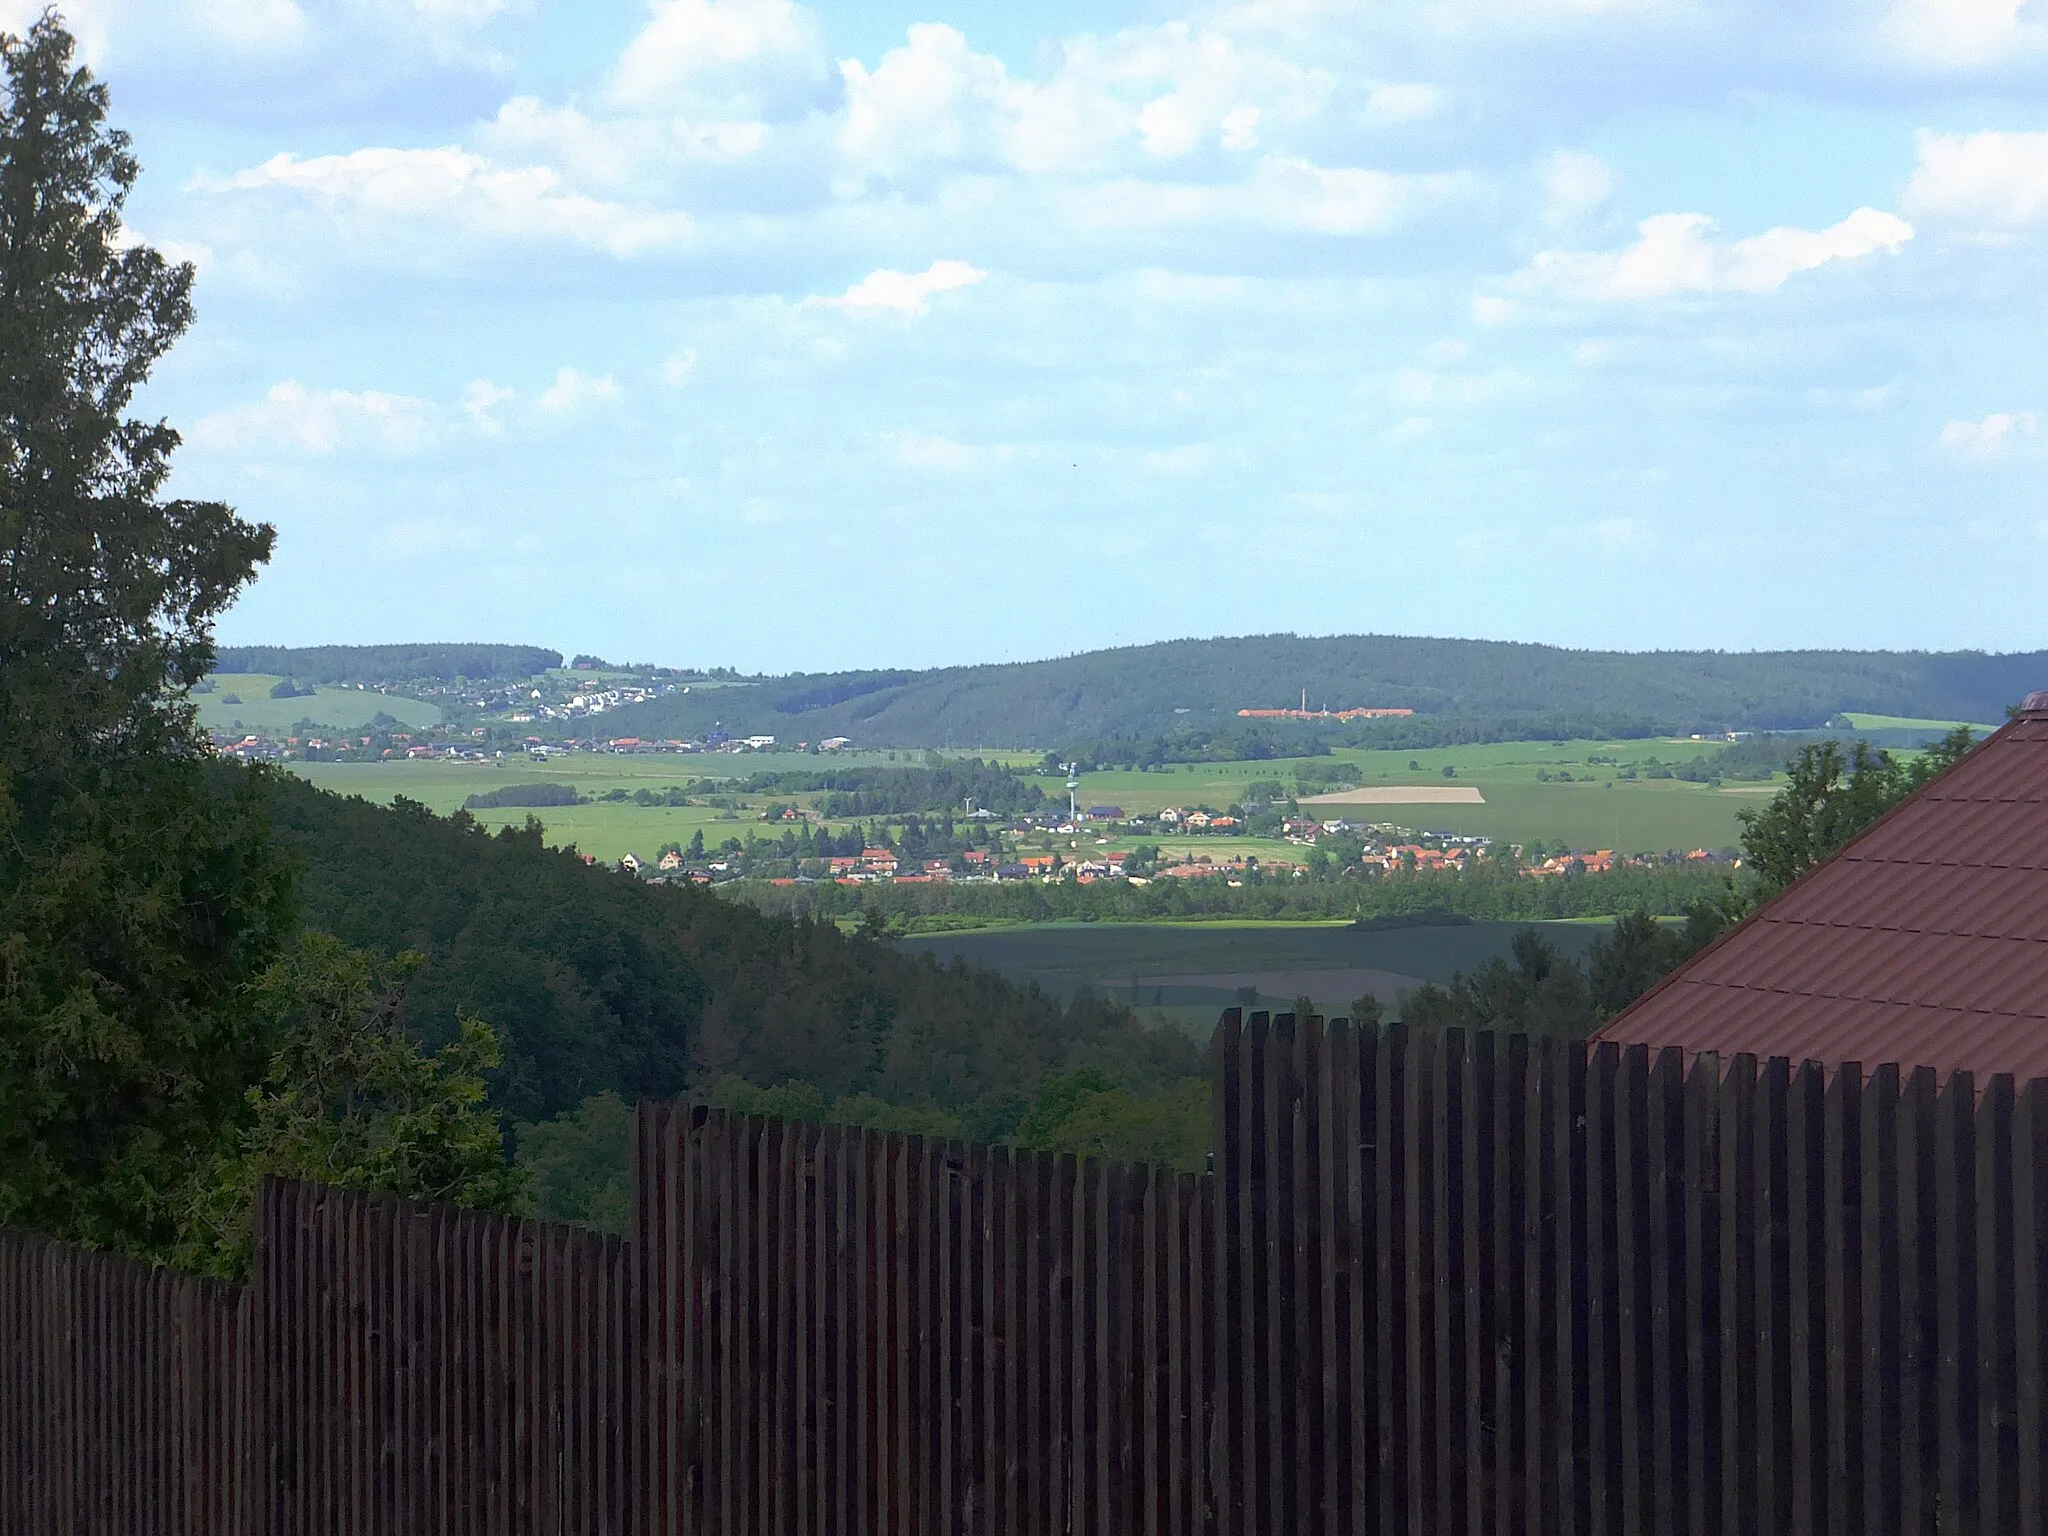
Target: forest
[1184,695]
[598,982]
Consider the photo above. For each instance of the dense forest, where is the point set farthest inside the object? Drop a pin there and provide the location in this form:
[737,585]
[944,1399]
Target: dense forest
[599,982]
[387,663]
[1194,688]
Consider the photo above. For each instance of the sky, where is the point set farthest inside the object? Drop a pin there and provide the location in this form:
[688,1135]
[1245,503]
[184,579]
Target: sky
[909,332]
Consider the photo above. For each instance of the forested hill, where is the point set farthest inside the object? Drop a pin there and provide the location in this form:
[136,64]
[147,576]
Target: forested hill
[1201,684]
[600,982]
[387,663]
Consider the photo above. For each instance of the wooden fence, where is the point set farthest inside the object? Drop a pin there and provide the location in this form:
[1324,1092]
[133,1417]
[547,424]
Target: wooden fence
[1437,1283]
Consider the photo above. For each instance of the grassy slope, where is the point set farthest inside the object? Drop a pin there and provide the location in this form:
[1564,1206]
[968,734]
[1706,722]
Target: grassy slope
[341,708]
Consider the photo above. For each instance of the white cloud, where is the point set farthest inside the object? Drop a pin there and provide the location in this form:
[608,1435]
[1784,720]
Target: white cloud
[462,188]
[1184,459]
[1676,256]
[679,367]
[1402,102]
[1962,34]
[253,23]
[480,397]
[1615,534]
[574,389]
[747,58]
[1993,437]
[1282,192]
[321,421]
[926,450]
[1146,96]
[1991,178]
[909,292]
[1575,185]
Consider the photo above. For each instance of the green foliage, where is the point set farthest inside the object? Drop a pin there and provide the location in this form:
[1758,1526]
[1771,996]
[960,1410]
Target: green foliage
[351,1099]
[1538,991]
[524,795]
[1833,796]
[599,981]
[1178,701]
[1089,1114]
[582,1163]
[938,786]
[805,1101]
[136,905]
[389,663]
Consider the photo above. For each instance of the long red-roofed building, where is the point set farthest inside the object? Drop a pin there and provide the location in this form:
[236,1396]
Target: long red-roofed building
[1924,942]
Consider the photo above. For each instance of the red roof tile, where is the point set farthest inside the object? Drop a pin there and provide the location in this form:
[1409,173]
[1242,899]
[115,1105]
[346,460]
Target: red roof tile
[1924,942]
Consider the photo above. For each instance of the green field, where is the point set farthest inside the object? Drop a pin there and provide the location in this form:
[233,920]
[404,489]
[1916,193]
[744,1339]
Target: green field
[1901,723]
[1642,815]
[606,830]
[344,709]
[1191,971]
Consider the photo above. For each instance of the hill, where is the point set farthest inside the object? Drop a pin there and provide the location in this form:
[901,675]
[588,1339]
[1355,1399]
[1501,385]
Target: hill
[1186,686]
[387,663]
[600,982]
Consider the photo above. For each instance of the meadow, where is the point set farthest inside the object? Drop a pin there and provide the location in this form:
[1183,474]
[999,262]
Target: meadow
[1593,810]
[345,709]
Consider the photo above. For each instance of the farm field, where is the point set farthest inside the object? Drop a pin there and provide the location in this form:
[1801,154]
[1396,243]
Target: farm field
[343,709]
[1590,811]
[1638,815]
[1192,971]
[1858,722]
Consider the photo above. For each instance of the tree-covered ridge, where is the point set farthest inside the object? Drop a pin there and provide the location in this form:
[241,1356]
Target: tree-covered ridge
[597,981]
[1139,692]
[387,663]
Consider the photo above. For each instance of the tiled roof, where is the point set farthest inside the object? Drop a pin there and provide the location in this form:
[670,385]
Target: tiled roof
[1924,942]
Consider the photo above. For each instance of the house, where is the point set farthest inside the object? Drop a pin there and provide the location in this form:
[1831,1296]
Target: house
[841,866]
[1011,872]
[1923,942]
[1038,863]
[977,858]
[835,744]
[938,869]
[1105,813]
[630,864]
[760,743]
[671,860]
[1195,820]
[1170,817]
[878,861]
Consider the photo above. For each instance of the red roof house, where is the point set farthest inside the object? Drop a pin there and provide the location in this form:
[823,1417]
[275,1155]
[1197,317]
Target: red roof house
[1923,942]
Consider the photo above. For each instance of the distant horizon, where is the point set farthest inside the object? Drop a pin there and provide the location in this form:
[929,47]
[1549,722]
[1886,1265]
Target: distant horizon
[569,653]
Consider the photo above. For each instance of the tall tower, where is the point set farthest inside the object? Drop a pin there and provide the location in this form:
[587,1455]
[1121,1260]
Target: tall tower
[1073,790]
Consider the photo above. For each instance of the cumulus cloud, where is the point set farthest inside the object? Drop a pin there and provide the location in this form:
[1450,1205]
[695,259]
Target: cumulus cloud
[1143,96]
[456,186]
[1281,192]
[573,390]
[741,58]
[1989,178]
[480,397]
[908,292]
[1675,255]
[321,421]
[1575,185]
[1962,34]
[927,450]
[1993,437]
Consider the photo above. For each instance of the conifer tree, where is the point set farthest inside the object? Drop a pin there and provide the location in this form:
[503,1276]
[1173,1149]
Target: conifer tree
[137,901]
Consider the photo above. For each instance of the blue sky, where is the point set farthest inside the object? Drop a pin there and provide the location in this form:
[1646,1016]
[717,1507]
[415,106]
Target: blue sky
[799,337]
